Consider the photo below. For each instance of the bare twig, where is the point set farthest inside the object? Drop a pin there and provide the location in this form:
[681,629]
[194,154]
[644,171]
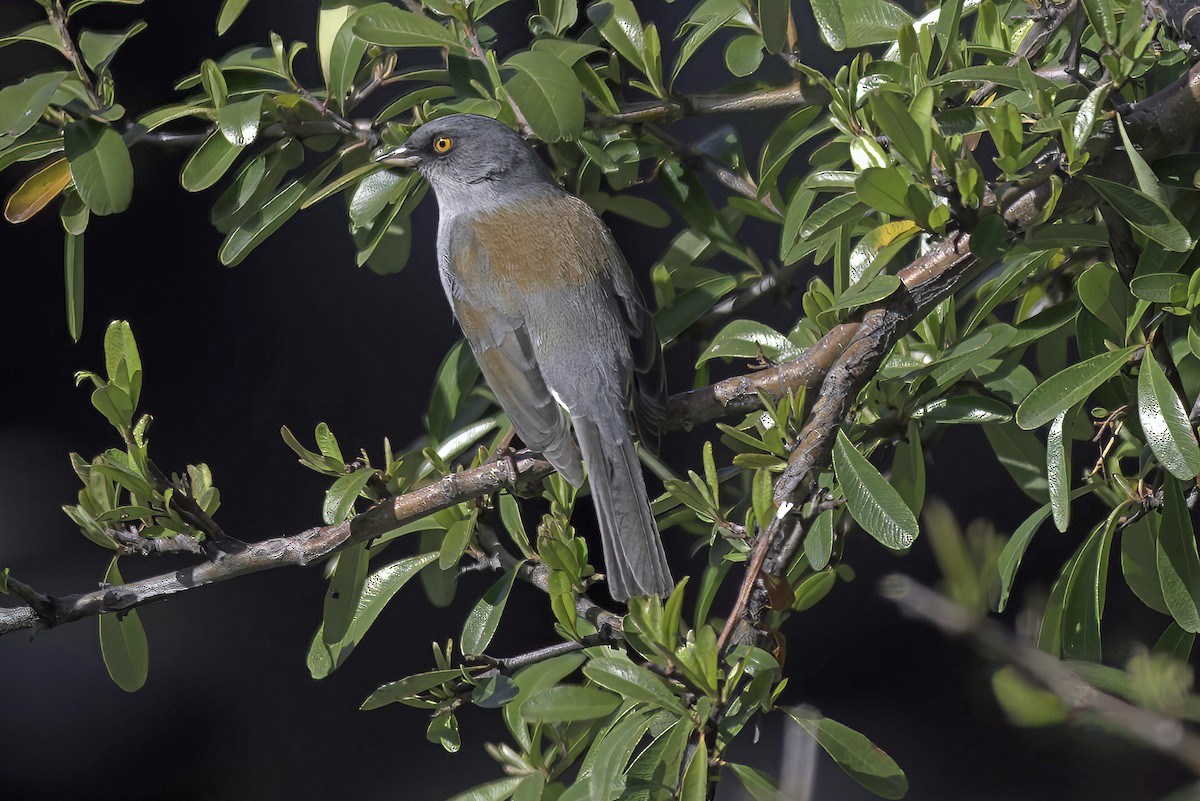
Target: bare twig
[1160,732]
[794,94]
[695,159]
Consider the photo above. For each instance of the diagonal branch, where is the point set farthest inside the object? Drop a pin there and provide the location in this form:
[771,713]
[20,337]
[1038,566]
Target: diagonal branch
[1168,117]
[1160,732]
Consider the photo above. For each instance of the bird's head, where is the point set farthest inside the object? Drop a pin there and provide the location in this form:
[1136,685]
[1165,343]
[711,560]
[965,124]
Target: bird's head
[467,153]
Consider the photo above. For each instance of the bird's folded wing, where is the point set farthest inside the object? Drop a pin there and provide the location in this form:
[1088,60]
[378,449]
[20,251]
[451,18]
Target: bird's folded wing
[505,355]
[649,375]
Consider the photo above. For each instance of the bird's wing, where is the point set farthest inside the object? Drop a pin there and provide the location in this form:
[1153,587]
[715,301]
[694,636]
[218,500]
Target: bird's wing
[502,347]
[649,374]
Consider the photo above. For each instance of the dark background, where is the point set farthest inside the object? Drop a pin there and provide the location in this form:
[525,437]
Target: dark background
[297,335]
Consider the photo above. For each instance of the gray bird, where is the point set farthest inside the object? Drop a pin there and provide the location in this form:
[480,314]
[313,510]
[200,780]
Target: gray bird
[556,322]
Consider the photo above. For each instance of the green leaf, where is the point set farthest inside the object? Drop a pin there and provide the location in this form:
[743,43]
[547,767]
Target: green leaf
[694,786]
[1014,550]
[121,347]
[210,161]
[604,766]
[1165,422]
[1058,472]
[73,269]
[885,189]
[691,305]
[1022,455]
[80,5]
[123,641]
[1083,604]
[618,23]
[1178,562]
[791,134]
[340,498]
[773,20]
[749,339]
[872,501]
[759,785]
[492,791]
[1105,295]
[633,682]
[344,593]
[39,33]
[744,54]
[856,23]
[909,139]
[239,121]
[860,758]
[533,679]
[458,536]
[908,469]
[1144,213]
[394,27]
[818,545]
[407,688]
[481,623]
[278,210]
[1166,288]
[1176,642]
[1139,561]
[568,702]
[548,94]
[346,51]
[230,11]
[22,104]
[377,591]
[1069,387]
[976,409]
[98,49]
[100,166]
[1103,18]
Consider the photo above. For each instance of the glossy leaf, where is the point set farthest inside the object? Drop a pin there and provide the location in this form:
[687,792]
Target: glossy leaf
[860,758]
[1144,213]
[568,702]
[1178,562]
[873,502]
[857,23]
[344,592]
[230,11]
[239,121]
[407,688]
[377,591]
[1023,456]
[481,623]
[1069,387]
[1083,603]
[548,94]
[73,269]
[209,162]
[394,27]
[22,104]
[123,641]
[631,681]
[100,166]
[1169,433]
[1058,472]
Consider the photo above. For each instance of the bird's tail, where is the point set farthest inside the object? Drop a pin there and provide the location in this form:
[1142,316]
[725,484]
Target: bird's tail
[634,560]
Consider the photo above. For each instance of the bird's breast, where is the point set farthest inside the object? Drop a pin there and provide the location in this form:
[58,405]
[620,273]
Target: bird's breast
[537,244]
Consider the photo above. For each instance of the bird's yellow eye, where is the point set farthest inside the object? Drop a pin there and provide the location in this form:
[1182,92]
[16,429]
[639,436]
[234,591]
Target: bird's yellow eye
[443,144]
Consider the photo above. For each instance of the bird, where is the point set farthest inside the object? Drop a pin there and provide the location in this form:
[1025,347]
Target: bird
[556,322]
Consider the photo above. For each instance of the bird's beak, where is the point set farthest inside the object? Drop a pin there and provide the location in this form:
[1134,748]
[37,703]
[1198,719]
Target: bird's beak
[402,156]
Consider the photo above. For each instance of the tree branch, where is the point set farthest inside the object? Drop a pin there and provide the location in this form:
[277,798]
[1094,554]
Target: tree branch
[1160,732]
[1167,117]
